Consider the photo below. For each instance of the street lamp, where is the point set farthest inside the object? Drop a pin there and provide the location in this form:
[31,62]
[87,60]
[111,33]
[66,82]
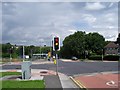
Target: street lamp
[23,53]
[40,48]
[31,53]
[11,50]
[102,54]
[40,51]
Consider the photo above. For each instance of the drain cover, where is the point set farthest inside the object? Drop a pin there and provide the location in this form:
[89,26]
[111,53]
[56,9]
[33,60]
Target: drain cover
[44,72]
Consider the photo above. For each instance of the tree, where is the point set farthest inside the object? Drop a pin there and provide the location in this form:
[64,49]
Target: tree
[78,43]
[73,45]
[94,42]
[45,49]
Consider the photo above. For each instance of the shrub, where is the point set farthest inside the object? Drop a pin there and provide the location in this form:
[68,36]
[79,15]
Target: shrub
[111,57]
[95,57]
[5,55]
[106,57]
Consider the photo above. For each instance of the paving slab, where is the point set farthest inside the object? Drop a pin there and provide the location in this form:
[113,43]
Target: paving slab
[67,83]
[52,81]
[36,77]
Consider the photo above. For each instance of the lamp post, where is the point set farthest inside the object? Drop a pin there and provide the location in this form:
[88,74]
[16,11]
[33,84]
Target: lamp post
[23,53]
[102,54]
[11,53]
[40,50]
[31,53]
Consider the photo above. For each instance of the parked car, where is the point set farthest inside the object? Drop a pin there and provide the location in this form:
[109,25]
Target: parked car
[74,58]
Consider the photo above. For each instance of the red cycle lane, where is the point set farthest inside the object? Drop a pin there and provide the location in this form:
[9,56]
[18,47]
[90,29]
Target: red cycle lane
[97,81]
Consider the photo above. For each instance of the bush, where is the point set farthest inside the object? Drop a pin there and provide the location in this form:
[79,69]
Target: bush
[106,57]
[14,55]
[95,57]
[5,55]
[111,57]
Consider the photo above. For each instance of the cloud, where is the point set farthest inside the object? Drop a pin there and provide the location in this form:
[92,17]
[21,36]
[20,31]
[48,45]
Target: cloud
[72,31]
[33,23]
[110,36]
[111,5]
[89,18]
[94,6]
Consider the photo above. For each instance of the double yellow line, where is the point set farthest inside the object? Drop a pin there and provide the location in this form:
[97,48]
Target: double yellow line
[78,83]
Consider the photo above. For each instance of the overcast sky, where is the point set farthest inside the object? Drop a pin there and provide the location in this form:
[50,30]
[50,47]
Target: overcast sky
[35,23]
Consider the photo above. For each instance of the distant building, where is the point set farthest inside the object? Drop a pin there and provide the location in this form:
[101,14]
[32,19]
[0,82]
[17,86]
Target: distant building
[111,49]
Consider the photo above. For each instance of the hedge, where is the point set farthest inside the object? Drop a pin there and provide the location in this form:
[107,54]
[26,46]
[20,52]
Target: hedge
[111,57]
[95,57]
[106,57]
[5,55]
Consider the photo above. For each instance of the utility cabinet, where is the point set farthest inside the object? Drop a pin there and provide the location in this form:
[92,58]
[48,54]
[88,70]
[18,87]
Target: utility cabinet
[26,70]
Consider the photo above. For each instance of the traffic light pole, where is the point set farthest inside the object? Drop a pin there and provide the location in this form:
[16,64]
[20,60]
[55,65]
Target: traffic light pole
[56,47]
[56,64]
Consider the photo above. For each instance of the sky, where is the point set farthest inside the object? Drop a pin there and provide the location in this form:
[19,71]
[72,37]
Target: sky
[35,23]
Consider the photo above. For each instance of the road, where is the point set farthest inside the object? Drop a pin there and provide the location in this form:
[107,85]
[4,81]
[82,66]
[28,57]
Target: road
[73,68]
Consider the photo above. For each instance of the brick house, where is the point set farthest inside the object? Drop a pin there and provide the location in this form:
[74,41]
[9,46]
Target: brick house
[111,49]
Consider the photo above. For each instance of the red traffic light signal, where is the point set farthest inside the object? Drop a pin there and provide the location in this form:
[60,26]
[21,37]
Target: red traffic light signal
[56,44]
[56,39]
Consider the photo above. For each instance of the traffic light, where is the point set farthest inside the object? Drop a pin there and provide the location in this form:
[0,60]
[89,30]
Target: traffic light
[56,44]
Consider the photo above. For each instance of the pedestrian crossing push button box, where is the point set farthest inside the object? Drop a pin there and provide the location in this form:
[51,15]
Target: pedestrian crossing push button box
[26,70]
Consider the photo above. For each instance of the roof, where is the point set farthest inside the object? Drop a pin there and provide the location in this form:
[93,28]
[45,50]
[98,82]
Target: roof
[111,45]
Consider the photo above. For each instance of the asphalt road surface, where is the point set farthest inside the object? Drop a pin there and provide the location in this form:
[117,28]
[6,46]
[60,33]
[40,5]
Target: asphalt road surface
[73,68]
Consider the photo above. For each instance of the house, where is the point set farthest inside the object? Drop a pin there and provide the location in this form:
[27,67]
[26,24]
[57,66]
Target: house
[111,49]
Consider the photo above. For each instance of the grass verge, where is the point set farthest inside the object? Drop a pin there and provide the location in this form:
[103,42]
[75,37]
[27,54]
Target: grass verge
[39,84]
[2,74]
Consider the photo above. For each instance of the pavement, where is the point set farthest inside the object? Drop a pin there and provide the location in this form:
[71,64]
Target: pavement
[66,82]
[86,60]
[33,62]
[52,81]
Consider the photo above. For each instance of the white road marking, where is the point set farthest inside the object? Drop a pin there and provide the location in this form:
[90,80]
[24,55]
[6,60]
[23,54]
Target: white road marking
[111,83]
